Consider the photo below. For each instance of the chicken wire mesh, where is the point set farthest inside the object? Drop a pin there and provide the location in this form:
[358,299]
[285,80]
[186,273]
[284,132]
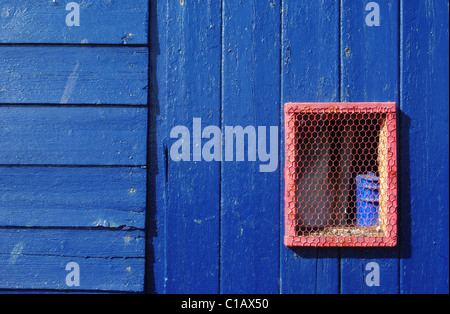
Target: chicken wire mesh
[340,174]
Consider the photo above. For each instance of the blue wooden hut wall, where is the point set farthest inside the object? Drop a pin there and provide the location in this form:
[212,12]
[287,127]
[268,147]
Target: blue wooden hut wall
[86,171]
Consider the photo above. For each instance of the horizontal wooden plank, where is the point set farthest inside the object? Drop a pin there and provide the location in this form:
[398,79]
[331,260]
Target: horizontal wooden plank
[73,197]
[73,135]
[66,242]
[36,272]
[110,22]
[73,75]
[37,259]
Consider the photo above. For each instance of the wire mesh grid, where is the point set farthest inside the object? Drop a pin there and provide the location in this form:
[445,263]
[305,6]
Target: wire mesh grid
[340,174]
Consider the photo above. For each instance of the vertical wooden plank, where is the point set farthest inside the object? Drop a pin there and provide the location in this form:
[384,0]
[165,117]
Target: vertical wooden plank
[310,73]
[192,90]
[424,147]
[370,63]
[249,196]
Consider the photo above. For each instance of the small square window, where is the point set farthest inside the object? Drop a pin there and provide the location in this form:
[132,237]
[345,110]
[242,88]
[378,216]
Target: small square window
[340,174]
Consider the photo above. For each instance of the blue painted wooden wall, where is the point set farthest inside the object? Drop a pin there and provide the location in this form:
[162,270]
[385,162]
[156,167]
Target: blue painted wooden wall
[86,170]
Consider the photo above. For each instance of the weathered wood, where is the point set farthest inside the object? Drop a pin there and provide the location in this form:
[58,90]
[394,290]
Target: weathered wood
[57,204]
[73,75]
[101,22]
[249,197]
[310,73]
[74,130]
[189,87]
[73,197]
[369,63]
[37,259]
[424,147]
[72,135]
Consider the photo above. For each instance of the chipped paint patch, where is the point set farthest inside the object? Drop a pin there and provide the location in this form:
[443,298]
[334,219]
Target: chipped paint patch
[127,37]
[16,251]
[105,223]
[71,81]
[6,12]
[127,239]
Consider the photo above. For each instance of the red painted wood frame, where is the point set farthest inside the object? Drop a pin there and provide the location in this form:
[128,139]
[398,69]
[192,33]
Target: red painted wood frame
[330,148]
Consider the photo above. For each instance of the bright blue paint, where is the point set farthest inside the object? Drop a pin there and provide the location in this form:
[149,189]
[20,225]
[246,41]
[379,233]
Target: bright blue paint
[73,135]
[72,197]
[424,149]
[73,75]
[249,198]
[106,197]
[53,243]
[187,86]
[310,73]
[37,272]
[101,22]
[36,259]
[210,227]
[369,72]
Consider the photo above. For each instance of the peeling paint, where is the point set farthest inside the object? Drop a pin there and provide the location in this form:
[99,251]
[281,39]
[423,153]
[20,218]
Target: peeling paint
[127,239]
[16,251]
[71,81]
[126,37]
[105,223]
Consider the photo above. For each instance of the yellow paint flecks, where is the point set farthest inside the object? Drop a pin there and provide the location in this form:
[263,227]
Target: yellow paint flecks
[127,239]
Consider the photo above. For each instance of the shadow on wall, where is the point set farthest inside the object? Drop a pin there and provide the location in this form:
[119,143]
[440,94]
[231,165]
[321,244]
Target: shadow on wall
[152,145]
[403,248]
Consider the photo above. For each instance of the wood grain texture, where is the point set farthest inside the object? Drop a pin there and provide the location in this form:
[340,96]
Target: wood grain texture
[310,73]
[74,153]
[187,191]
[72,135]
[369,72]
[73,75]
[36,259]
[84,109]
[249,197]
[101,22]
[424,147]
[73,197]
